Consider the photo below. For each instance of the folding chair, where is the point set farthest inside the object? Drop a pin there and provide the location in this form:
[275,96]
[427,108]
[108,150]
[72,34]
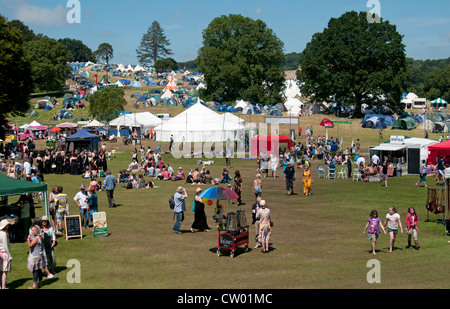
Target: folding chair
[357,175]
[320,171]
[342,173]
[331,173]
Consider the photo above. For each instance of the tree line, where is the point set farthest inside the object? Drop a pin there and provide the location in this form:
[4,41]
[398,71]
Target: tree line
[352,62]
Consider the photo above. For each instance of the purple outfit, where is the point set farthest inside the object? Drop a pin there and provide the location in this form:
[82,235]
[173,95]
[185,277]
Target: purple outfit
[374,225]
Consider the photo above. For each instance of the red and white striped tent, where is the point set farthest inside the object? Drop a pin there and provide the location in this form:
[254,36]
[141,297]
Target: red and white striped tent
[171,85]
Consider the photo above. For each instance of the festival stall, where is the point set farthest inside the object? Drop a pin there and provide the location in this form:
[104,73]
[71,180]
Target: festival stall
[439,150]
[10,186]
[82,140]
[269,144]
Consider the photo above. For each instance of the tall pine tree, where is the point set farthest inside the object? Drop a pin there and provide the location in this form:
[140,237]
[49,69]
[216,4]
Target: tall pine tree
[154,45]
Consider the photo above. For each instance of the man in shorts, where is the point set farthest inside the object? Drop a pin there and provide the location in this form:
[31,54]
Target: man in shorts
[62,209]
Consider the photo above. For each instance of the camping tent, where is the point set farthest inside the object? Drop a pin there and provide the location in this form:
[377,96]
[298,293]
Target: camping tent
[374,123]
[269,144]
[11,186]
[407,123]
[171,85]
[198,123]
[438,150]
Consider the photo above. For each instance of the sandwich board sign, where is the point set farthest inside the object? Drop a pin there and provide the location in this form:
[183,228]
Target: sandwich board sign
[100,225]
[73,226]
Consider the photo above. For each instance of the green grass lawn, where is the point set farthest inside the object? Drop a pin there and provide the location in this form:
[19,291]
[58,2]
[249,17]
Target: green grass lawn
[316,242]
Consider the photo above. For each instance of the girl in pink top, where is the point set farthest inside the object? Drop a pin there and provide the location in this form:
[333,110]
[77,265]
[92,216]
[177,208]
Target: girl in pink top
[373,228]
[411,225]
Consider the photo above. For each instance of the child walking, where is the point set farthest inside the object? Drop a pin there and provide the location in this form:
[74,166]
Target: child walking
[411,225]
[373,229]
[393,222]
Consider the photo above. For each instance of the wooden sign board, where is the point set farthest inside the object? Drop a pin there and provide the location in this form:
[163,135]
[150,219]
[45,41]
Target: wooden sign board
[73,226]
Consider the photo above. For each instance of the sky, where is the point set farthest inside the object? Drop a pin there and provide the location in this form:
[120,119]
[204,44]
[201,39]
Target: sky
[425,25]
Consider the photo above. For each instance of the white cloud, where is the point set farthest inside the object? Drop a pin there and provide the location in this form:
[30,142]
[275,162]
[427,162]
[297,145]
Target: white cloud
[31,14]
[172,27]
[258,11]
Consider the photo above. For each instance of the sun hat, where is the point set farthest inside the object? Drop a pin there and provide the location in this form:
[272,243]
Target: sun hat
[83,186]
[263,203]
[180,189]
[198,190]
[4,223]
[44,218]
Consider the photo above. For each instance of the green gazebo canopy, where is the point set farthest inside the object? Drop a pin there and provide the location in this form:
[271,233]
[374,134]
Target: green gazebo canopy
[11,186]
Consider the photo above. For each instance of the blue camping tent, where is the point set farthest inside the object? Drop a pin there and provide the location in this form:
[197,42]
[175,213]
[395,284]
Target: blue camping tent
[47,108]
[275,112]
[136,84]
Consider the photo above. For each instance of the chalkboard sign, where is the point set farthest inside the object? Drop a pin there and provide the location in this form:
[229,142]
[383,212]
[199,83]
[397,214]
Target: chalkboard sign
[73,226]
[225,240]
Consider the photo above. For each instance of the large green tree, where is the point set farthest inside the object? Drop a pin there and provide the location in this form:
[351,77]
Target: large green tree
[357,62]
[78,50]
[107,103]
[15,74]
[154,45]
[48,63]
[437,84]
[27,33]
[241,59]
[104,52]
[165,65]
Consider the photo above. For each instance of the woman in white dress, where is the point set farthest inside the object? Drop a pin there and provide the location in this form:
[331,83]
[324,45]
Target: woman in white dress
[273,165]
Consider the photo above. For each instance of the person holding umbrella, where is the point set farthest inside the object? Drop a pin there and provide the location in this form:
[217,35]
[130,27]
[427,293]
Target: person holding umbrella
[200,216]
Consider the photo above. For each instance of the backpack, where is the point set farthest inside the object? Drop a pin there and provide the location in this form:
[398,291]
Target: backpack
[129,185]
[172,203]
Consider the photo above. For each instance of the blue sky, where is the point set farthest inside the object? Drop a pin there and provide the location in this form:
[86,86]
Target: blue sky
[424,24]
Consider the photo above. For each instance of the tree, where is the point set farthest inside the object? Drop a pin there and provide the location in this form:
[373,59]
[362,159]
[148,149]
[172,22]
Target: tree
[27,33]
[48,60]
[437,84]
[15,74]
[355,61]
[78,51]
[104,52]
[241,59]
[154,45]
[107,103]
[165,65]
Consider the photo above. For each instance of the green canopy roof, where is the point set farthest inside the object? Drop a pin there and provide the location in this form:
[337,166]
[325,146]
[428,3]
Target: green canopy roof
[11,186]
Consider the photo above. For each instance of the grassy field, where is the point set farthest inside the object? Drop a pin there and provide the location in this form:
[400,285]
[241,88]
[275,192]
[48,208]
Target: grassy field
[317,241]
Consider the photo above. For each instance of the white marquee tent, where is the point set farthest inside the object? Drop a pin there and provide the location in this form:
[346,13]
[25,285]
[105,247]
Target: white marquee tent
[145,121]
[198,123]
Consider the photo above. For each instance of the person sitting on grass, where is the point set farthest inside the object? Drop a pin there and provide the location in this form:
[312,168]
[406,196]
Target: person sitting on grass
[133,166]
[179,176]
[225,176]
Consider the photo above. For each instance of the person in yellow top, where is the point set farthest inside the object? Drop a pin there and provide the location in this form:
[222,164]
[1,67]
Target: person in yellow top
[62,209]
[307,180]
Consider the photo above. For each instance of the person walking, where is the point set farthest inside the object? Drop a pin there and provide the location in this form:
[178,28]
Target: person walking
[255,208]
[411,227]
[373,229]
[263,215]
[36,259]
[383,174]
[199,214]
[171,143]
[5,252]
[237,186]
[81,200]
[393,221]
[257,185]
[179,208]
[110,184]
[49,244]
[423,174]
[307,180]
[289,177]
